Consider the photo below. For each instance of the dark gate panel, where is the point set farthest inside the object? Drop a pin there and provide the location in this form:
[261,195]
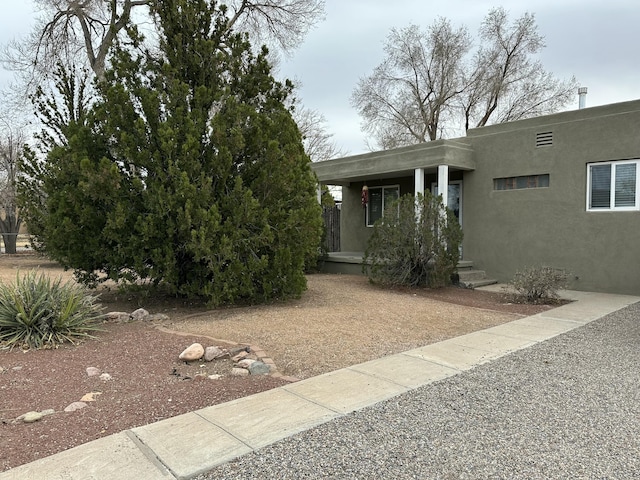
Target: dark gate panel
[331,216]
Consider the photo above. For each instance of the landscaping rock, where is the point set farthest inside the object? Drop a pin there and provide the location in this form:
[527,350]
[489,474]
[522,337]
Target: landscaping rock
[259,368]
[105,377]
[234,351]
[118,316]
[91,397]
[246,363]
[239,356]
[93,371]
[213,353]
[31,417]
[214,377]
[239,372]
[75,406]
[139,314]
[193,352]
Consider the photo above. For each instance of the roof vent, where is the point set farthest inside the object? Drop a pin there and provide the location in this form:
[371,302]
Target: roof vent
[544,139]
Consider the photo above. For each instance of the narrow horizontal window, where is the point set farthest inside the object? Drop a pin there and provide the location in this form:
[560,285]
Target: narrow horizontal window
[525,181]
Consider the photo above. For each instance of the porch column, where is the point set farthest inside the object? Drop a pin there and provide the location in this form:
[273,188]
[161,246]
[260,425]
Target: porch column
[443,183]
[319,193]
[419,181]
[418,177]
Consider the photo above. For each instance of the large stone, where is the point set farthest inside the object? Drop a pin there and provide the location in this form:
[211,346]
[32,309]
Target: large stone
[139,314]
[239,372]
[93,371]
[213,353]
[245,363]
[193,352]
[259,368]
[31,417]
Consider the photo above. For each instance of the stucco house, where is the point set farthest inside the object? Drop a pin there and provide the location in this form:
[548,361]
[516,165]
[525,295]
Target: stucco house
[559,190]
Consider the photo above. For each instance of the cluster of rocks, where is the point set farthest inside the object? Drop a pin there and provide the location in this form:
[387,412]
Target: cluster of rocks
[34,416]
[139,314]
[247,360]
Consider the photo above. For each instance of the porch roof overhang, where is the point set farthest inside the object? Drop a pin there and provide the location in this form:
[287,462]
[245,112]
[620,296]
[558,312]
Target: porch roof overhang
[399,162]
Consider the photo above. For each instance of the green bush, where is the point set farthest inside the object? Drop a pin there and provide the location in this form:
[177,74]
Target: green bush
[416,243]
[37,312]
[537,285]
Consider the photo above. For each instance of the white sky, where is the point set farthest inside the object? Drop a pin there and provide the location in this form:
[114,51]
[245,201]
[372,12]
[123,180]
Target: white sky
[596,41]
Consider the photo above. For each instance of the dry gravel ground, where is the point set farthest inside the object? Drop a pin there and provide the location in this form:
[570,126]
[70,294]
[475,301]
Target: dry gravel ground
[339,321]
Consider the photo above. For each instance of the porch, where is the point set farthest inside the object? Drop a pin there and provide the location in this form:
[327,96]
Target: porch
[351,263]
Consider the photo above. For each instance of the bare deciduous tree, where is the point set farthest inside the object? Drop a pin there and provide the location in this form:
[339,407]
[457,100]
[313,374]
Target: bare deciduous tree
[318,142]
[427,86]
[12,140]
[506,83]
[68,30]
[406,97]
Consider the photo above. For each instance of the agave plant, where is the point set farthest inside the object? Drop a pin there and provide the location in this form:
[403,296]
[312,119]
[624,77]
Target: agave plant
[38,312]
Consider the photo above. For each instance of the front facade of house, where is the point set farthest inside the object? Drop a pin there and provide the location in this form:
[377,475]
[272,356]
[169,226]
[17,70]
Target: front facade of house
[560,190]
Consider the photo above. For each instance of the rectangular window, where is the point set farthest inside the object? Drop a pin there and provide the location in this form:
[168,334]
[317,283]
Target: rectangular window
[613,186]
[379,200]
[526,181]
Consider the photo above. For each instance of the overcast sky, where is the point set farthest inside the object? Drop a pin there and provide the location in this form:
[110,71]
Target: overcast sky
[596,41]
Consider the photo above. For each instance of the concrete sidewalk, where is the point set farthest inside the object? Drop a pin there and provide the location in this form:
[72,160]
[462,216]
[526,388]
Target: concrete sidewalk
[186,445]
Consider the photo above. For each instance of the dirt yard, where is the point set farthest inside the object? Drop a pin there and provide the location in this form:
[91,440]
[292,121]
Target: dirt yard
[340,321]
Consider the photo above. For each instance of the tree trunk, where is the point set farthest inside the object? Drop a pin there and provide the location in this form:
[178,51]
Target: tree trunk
[9,228]
[10,243]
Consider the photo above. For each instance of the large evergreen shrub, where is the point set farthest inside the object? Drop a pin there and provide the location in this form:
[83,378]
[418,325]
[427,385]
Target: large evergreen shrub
[415,243]
[188,172]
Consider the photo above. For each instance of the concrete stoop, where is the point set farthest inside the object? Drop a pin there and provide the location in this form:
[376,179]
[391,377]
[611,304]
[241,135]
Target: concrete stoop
[469,277]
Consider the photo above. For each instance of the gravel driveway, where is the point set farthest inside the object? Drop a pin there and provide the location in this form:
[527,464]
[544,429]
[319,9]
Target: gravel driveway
[566,408]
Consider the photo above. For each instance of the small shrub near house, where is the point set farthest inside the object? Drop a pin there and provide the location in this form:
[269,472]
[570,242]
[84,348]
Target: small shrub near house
[37,312]
[416,243]
[537,285]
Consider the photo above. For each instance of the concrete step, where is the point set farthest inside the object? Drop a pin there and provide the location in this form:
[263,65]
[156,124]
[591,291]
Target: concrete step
[465,265]
[470,275]
[477,283]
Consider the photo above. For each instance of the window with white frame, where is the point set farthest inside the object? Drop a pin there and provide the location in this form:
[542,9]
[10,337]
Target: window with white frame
[613,186]
[380,198]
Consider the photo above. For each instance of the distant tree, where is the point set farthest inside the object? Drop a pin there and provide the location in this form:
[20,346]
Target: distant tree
[188,171]
[62,113]
[12,140]
[427,86]
[318,142]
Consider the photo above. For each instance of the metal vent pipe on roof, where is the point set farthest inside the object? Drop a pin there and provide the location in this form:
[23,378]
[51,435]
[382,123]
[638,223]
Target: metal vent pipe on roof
[582,97]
